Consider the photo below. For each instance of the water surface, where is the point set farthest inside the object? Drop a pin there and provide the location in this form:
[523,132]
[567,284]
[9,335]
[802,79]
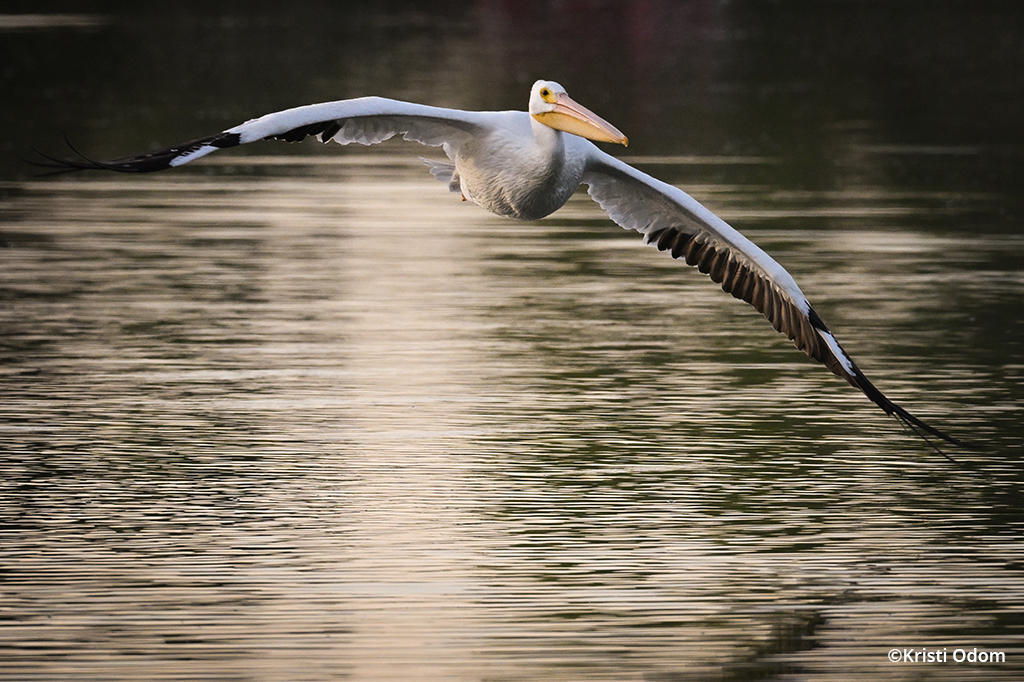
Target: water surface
[301,414]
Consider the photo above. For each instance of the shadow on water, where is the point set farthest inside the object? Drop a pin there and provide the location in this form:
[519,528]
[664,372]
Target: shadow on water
[299,413]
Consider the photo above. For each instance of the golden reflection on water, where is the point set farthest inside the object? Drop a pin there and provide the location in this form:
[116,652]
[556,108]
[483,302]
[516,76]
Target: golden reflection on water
[335,423]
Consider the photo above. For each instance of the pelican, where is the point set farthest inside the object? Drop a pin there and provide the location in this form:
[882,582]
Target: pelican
[526,165]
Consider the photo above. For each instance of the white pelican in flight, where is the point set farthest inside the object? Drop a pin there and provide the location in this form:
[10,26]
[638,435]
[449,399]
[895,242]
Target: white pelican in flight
[523,165]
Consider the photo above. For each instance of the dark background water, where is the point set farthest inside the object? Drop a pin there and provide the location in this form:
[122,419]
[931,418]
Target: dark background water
[296,412]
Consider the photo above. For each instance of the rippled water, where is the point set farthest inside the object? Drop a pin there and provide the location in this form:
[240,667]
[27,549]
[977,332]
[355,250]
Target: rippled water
[336,423]
[310,417]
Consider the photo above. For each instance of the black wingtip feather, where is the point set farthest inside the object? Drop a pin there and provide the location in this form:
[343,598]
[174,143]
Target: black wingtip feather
[158,160]
[908,421]
[60,166]
[925,431]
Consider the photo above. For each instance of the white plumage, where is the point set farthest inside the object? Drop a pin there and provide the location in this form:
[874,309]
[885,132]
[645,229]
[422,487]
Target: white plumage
[526,165]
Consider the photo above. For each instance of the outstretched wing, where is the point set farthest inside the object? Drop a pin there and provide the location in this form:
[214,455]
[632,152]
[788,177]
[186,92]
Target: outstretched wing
[675,222]
[366,120]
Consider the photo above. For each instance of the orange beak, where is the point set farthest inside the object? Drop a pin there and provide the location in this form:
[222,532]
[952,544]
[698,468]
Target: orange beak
[575,118]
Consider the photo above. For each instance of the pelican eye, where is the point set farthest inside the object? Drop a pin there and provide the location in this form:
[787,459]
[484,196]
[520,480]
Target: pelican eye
[546,94]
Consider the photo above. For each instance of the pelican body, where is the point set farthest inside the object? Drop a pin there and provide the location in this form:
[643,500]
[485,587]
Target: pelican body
[526,165]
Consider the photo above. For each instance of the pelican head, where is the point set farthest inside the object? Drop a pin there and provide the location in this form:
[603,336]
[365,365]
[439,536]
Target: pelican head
[550,105]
